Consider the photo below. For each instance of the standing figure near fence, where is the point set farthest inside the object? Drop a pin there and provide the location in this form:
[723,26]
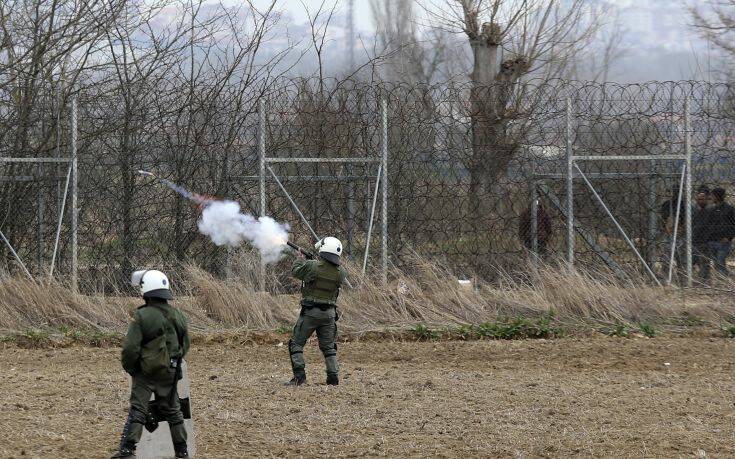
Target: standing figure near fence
[701,212]
[156,342]
[668,213]
[321,280]
[722,230]
[543,229]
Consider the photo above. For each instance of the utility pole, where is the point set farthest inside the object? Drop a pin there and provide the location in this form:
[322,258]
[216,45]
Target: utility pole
[351,34]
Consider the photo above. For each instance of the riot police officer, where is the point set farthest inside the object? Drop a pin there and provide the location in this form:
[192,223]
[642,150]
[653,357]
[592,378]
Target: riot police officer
[321,280]
[156,342]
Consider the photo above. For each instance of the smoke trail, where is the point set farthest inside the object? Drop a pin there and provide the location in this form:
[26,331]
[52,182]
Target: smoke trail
[194,197]
[225,224]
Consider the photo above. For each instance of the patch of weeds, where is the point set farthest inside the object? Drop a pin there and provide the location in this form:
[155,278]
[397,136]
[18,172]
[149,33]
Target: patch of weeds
[729,331]
[465,332]
[34,334]
[63,329]
[543,327]
[648,330]
[422,332]
[283,329]
[487,330]
[506,329]
[519,328]
[7,338]
[33,338]
[620,330]
[77,336]
[100,338]
[690,320]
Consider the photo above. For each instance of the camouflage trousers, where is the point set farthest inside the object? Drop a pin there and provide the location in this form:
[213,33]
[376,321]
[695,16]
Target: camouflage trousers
[169,407]
[326,332]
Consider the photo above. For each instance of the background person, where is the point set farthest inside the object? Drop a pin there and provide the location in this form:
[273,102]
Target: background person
[722,230]
[700,232]
[668,213]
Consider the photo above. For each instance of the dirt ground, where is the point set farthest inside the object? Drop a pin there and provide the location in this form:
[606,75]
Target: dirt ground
[664,397]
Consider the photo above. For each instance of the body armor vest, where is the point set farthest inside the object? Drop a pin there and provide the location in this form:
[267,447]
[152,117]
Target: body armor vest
[324,289]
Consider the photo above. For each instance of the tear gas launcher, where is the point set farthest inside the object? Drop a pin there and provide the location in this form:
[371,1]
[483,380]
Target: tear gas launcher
[302,251]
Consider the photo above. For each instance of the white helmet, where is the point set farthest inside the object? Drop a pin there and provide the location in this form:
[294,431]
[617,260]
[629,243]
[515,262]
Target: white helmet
[152,283]
[330,248]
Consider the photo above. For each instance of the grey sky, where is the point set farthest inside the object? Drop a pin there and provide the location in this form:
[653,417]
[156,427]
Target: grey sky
[658,42]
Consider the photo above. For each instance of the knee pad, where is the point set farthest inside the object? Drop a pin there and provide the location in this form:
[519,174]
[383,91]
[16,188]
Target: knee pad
[331,352]
[137,416]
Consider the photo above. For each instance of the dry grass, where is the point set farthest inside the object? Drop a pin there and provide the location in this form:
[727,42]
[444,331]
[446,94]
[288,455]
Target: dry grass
[25,304]
[431,295]
[235,303]
[420,293]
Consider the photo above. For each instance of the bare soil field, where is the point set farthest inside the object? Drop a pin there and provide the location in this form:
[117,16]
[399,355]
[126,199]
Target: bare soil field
[600,396]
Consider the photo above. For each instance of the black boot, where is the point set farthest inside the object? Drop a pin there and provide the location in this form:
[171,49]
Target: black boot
[332,380]
[299,378]
[180,450]
[124,453]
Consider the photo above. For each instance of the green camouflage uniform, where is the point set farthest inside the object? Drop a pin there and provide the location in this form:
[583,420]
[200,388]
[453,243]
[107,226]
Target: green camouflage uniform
[321,281]
[157,336]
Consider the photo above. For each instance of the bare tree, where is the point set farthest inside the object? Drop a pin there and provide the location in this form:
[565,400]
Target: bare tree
[44,41]
[715,21]
[182,86]
[412,53]
[45,47]
[511,41]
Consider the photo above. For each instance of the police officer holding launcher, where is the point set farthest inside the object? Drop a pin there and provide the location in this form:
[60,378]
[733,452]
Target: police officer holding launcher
[321,280]
[156,341]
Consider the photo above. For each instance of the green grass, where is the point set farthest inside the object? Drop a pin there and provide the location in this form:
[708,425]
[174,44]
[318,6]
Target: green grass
[99,338]
[36,335]
[424,333]
[689,320]
[648,330]
[519,328]
[620,330]
[283,329]
[465,332]
[729,331]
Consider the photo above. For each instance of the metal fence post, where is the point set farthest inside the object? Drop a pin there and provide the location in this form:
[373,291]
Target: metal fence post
[350,212]
[384,163]
[534,219]
[40,211]
[570,184]
[688,188]
[74,197]
[652,216]
[261,171]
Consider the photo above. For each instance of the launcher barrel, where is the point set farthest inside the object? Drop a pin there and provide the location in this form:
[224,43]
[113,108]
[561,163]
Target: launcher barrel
[304,252]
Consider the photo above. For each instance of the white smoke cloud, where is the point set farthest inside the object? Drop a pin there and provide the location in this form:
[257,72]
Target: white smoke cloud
[223,222]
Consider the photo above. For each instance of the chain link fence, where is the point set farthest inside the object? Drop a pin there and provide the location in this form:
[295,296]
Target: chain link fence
[478,190]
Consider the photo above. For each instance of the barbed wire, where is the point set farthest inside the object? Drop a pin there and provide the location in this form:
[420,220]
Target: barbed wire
[461,179]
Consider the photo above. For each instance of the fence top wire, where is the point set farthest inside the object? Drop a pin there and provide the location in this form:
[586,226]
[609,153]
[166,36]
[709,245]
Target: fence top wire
[459,178]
